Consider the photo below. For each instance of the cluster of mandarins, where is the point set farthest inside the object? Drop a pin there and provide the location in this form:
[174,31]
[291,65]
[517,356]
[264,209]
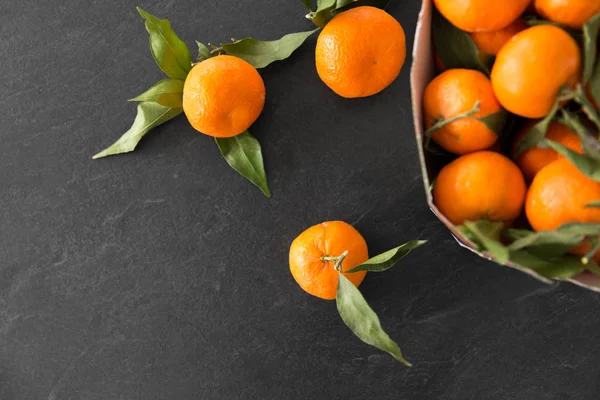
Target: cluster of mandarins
[531,68]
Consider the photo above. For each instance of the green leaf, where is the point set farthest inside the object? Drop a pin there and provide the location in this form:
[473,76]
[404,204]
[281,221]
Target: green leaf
[243,153]
[548,243]
[362,320]
[323,13]
[344,5]
[168,93]
[580,228]
[495,122]
[455,48]
[555,268]
[594,84]
[593,204]
[387,259]
[487,234]
[516,234]
[589,143]
[590,48]
[203,52]
[307,4]
[149,115]
[170,53]
[587,165]
[262,53]
[537,132]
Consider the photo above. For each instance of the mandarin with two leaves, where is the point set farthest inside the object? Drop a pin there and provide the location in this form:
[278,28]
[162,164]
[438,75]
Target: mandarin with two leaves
[312,257]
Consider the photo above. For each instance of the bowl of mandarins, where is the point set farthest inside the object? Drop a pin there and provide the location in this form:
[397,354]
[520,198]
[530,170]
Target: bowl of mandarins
[505,105]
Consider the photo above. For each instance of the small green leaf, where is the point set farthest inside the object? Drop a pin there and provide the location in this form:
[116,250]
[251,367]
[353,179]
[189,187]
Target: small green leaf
[594,84]
[516,234]
[243,153]
[170,53]
[564,267]
[589,143]
[590,49]
[203,52]
[362,320]
[323,13]
[168,93]
[149,115]
[593,204]
[487,234]
[262,53]
[548,243]
[387,259]
[344,5]
[587,165]
[307,4]
[537,132]
[455,48]
[580,228]
[495,122]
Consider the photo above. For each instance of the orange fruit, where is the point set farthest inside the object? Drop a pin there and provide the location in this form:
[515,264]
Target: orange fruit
[328,239]
[532,68]
[481,15]
[571,13]
[491,42]
[482,185]
[360,52]
[223,96]
[558,195]
[532,160]
[455,92]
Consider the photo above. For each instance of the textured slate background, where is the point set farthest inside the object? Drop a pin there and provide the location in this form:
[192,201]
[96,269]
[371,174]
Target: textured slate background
[162,275]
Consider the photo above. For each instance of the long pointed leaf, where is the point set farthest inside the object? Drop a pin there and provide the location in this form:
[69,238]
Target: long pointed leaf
[388,259]
[262,53]
[170,53]
[168,93]
[590,48]
[362,320]
[587,165]
[149,115]
[243,153]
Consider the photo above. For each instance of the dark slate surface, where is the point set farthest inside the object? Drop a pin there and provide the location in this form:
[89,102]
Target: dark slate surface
[162,275]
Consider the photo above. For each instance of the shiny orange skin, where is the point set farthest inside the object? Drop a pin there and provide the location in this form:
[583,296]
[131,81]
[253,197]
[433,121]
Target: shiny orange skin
[481,15]
[454,92]
[360,52]
[491,42]
[482,185]
[223,96]
[329,239]
[570,13]
[532,160]
[558,195]
[532,67]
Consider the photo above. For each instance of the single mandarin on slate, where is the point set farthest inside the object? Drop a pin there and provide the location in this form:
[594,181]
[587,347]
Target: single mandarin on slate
[491,42]
[328,239]
[570,13]
[454,92]
[223,96]
[532,68]
[360,52]
[532,160]
[481,15]
[482,185]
